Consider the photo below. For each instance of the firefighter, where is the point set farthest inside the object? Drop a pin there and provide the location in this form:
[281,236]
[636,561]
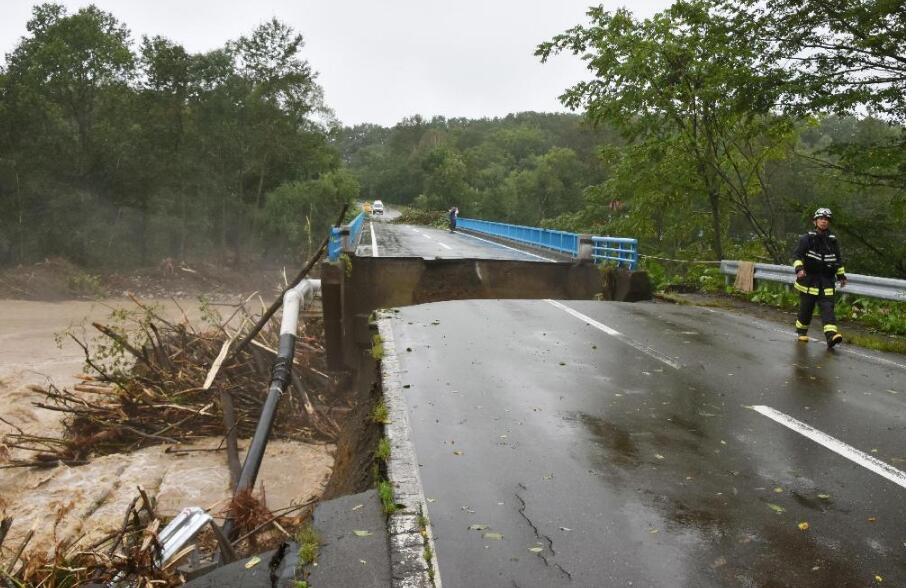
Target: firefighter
[818,264]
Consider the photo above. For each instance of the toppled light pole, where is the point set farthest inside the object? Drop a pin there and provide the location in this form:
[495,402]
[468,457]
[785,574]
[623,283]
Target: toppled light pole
[293,300]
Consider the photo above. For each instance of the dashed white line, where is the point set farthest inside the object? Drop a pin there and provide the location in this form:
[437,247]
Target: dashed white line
[374,249]
[445,246]
[506,247]
[861,458]
[651,352]
[427,236]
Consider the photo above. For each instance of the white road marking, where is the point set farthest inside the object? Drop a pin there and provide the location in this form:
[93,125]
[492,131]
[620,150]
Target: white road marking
[427,236]
[374,249]
[868,462]
[614,333]
[444,245]
[506,247]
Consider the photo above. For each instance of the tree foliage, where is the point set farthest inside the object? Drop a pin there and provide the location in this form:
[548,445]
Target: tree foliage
[116,153]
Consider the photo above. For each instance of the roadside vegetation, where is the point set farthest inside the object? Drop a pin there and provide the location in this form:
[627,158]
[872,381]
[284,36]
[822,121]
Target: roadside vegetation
[883,321]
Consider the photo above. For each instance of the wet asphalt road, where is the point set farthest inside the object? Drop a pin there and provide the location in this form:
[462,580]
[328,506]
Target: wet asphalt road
[393,240]
[628,454]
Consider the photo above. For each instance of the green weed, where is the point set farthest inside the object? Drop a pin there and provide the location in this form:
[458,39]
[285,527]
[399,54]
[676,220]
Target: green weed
[379,413]
[385,491]
[377,347]
[309,544]
[383,449]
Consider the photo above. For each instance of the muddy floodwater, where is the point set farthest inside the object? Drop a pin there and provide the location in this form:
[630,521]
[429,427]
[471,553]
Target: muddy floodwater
[91,499]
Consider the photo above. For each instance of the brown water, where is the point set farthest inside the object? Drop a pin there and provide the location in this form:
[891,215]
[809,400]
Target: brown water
[93,498]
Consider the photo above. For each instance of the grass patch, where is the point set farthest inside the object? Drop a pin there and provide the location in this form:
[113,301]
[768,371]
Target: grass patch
[876,343]
[383,449]
[377,347]
[379,413]
[309,544]
[385,491]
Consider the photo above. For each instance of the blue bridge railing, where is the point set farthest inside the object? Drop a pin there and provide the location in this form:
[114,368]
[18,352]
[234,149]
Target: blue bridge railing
[352,232]
[561,241]
[619,250]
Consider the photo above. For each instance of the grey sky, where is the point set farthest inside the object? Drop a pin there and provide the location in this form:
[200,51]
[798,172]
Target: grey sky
[379,61]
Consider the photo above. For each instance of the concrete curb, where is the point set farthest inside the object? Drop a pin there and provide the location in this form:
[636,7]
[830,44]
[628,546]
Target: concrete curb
[408,545]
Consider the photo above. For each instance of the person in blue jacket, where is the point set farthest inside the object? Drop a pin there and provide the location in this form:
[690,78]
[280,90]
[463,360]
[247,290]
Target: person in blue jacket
[818,264]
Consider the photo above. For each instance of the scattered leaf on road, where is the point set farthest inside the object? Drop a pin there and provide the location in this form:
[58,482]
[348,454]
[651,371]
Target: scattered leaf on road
[659,456]
[776,508]
[567,529]
[803,526]
[363,562]
[362,533]
[536,549]
[252,562]
[824,496]
[457,452]
[778,490]
[478,527]
[357,507]
[494,536]
[872,519]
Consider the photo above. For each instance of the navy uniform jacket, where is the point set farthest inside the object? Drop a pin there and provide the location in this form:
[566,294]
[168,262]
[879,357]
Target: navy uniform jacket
[819,255]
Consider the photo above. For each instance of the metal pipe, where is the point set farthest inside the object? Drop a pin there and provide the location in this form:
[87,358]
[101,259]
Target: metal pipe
[293,300]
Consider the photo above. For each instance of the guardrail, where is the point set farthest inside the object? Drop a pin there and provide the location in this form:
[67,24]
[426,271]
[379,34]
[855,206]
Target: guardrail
[856,284]
[622,251]
[345,237]
[544,238]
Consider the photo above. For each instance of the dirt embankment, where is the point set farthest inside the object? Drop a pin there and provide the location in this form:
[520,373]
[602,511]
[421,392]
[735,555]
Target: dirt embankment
[93,497]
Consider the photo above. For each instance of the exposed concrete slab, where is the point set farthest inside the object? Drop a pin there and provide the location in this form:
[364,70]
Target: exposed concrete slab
[347,559]
[276,569]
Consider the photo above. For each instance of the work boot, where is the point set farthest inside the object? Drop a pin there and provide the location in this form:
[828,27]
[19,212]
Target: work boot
[803,335]
[833,339]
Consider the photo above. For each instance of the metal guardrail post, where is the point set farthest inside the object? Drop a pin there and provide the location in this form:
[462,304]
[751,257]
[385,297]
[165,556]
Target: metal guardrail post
[333,244]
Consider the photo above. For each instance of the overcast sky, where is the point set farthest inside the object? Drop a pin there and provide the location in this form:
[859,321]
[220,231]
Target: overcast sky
[379,61]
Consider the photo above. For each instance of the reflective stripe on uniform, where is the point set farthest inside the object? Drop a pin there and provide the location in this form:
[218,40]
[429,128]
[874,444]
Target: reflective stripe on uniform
[830,328]
[798,263]
[828,291]
[840,271]
[801,325]
[804,290]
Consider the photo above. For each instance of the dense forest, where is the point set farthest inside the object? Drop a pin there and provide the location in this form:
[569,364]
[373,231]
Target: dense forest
[115,154]
[711,130]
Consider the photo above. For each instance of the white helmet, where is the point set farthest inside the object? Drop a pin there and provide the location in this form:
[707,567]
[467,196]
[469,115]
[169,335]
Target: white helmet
[822,212]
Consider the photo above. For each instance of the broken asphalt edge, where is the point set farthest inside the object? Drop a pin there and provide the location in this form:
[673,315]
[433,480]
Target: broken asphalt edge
[409,543]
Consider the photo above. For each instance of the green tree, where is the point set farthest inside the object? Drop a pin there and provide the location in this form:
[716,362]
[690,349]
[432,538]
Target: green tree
[689,75]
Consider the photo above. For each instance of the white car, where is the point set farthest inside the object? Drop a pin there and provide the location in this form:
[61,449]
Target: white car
[377,207]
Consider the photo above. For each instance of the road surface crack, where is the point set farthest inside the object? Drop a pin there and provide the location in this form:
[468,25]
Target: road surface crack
[540,536]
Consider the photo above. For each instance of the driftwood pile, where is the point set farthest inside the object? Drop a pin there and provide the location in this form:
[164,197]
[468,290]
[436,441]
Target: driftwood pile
[181,385]
[130,552]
